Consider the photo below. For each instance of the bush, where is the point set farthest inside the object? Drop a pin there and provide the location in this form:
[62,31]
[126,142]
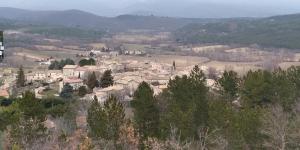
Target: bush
[87,62]
[82,91]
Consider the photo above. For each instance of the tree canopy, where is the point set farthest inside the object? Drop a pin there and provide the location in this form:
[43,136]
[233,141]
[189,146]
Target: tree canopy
[146,111]
[58,65]
[105,120]
[67,91]
[21,78]
[87,62]
[106,79]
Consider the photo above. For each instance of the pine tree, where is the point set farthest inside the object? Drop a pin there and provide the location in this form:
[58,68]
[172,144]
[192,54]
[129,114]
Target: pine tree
[187,105]
[106,121]
[107,79]
[92,81]
[199,92]
[21,78]
[146,112]
[67,91]
[96,120]
[229,84]
[115,114]
[257,88]
[30,126]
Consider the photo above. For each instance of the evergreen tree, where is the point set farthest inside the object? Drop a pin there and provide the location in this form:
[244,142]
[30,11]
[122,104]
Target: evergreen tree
[243,130]
[199,96]
[107,79]
[67,91]
[92,62]
[65,62]
[115,115]
[229,84]
[92,81]
[83,62]
[285,89]
[87,62]
[55,65]
[106,121]
[146,112]
[96,120]
[257,88]
[82,91]
[187,106]
[293,74]
[21,78]
[174,65]
[69,61]
[30,127]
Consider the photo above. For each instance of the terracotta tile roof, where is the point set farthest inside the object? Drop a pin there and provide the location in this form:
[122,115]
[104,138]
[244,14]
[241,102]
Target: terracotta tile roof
[4,93]
[73,80]
[70,67]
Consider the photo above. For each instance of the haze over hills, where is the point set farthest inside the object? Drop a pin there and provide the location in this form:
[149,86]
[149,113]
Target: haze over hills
[81,19]
[278,31]
[171,8]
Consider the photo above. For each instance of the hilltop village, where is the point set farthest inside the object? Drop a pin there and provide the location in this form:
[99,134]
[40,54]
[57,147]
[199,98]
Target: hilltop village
[126,74]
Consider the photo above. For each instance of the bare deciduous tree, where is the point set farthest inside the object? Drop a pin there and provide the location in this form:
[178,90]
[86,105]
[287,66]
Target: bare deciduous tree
[281,128]
[210,140]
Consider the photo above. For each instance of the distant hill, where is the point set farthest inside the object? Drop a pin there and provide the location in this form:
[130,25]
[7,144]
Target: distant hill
[279,32]
[81,19]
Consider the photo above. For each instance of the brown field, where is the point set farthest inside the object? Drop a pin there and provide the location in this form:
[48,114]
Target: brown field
[286,65]
[240,67]
[181,61]
[98,45]
[136,46]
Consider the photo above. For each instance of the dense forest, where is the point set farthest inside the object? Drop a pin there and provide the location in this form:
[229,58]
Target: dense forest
[278,32]
[62,32]
[257,111]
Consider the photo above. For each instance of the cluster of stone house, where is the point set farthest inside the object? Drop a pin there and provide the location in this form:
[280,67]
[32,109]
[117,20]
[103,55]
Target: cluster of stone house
[128,74]
[48,76]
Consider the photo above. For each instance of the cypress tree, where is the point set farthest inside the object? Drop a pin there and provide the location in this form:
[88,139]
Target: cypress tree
[21,78]
[92,81]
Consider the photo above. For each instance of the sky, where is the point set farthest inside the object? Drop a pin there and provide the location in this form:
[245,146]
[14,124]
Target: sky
[180,8]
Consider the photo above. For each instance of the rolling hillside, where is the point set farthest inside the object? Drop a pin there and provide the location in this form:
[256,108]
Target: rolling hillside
[278,32]
[81,19]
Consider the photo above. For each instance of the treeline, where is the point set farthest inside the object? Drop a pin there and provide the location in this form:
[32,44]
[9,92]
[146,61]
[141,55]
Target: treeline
[257,111]
[87,62]
[23,121]
[59,65]
[67,32]
[278,32]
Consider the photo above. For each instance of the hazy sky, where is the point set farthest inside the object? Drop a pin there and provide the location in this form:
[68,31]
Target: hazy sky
[164,7]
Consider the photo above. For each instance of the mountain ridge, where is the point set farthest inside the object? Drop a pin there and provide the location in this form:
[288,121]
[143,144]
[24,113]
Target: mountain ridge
[78,18]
